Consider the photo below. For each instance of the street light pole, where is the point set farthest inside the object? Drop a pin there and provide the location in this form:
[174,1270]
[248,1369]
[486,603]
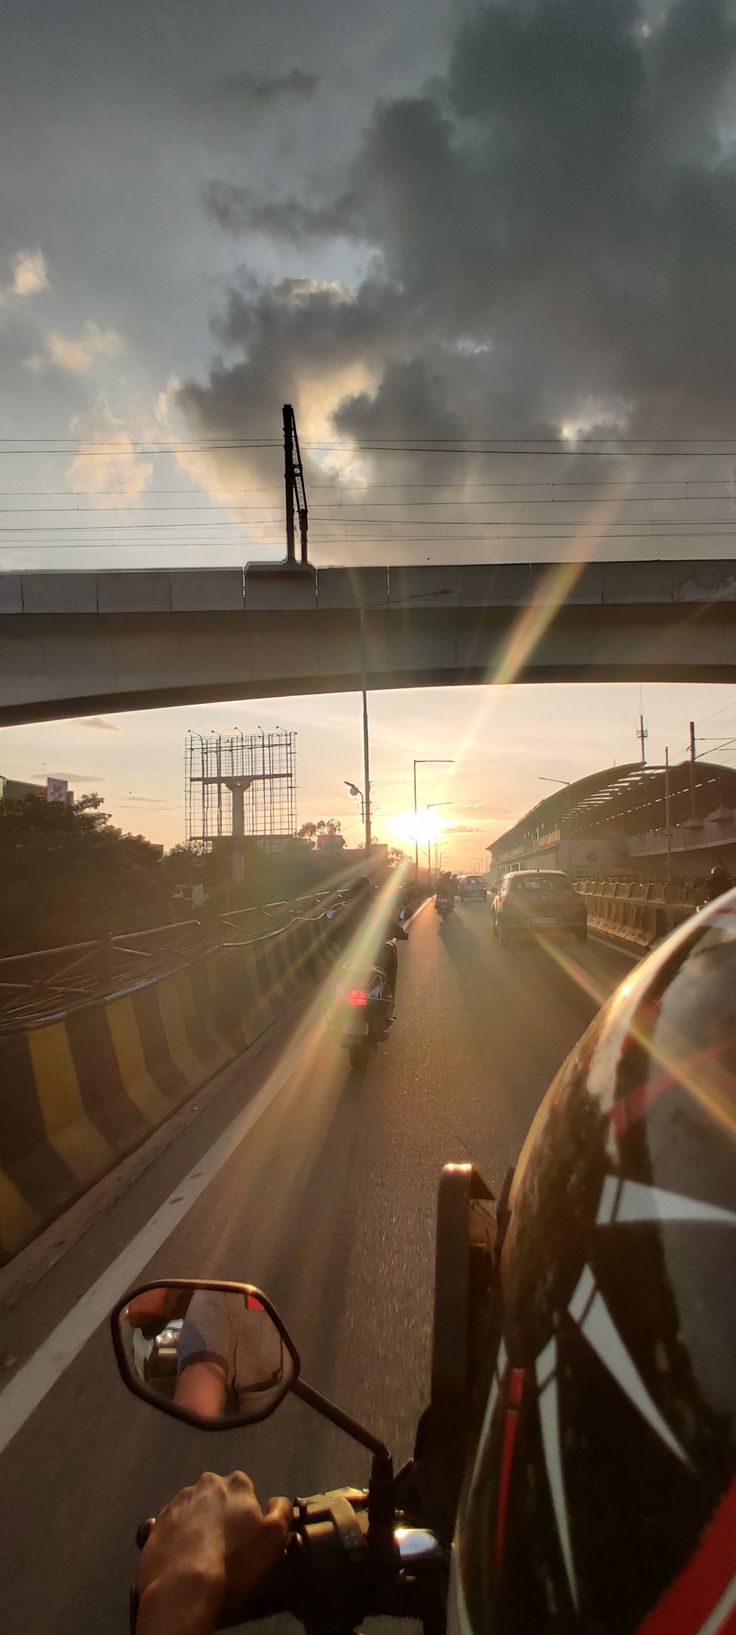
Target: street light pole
[431,760]
[667,812]
[566,784]
[366,734]
[366,739]
[430,808]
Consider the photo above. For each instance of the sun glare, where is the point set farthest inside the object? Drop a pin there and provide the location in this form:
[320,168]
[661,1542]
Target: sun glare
[422,826]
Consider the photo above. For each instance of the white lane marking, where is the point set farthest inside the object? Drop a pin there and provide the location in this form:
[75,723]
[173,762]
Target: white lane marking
[635,955]
[417,912]
[36,1378]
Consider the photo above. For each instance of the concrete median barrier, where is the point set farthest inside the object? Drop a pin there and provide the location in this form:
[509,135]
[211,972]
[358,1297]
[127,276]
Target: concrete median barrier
[81,1090]
[632,913]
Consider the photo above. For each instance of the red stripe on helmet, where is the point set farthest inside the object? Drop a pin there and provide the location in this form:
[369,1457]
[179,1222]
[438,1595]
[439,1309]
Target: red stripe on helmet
[511,1426]
[692,1597]
[629,1109]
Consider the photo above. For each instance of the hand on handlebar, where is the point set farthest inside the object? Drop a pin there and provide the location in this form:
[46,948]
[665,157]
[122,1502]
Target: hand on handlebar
[211,1548]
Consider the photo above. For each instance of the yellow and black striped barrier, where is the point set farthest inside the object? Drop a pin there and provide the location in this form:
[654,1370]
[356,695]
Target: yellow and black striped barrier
[80,1091]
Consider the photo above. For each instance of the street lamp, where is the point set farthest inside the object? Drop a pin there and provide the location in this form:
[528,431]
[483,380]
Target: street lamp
[354,790]
[431,760]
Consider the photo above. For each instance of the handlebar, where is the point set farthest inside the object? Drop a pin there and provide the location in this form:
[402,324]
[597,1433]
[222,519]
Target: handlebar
[328,1576]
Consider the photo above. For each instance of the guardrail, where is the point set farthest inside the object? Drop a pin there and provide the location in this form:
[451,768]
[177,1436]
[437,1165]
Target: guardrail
[52,980]
[267,917]
[85,1083]
[36,985]
[636,912]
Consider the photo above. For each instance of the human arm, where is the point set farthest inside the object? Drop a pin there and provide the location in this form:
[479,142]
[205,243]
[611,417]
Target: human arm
[210,1549]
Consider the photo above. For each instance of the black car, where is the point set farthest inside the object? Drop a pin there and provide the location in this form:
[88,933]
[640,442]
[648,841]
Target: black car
[471,885]
[537,902]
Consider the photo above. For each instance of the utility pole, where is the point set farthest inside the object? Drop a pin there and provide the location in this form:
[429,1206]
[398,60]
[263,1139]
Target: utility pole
[295,494]
[432,760]
[642,734]
[668,830]
[692,769]
[366,741]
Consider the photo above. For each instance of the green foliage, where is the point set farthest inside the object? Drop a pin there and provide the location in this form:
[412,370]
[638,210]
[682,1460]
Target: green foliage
[67,875]
[325,835]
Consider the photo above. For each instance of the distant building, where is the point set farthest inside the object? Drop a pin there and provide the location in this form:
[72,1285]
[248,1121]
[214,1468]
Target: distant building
[13,789]
[54,789]
[615,822]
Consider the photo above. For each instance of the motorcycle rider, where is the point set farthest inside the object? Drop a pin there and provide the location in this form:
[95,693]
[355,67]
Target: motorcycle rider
[382,929]
[148,1315]
[447,887]
[718,882]
[600,1494]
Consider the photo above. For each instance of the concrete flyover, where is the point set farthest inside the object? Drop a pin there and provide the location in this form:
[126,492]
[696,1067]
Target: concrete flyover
[80,643]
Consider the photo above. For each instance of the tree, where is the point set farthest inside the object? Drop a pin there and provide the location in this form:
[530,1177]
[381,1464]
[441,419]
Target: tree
[68,875]
[325,835]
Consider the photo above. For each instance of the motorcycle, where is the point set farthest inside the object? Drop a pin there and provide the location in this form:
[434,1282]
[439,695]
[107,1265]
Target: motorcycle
[444,906]
[361,1011]
[353,1553]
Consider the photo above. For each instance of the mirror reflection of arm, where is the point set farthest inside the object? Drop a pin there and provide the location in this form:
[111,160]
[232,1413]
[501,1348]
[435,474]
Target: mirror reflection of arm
[205,1360]
[201,1387]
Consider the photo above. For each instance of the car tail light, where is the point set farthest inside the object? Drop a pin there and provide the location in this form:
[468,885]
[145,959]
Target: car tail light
[356,996]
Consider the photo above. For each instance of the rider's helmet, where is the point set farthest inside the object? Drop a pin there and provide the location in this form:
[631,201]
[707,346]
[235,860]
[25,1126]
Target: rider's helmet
[359,889]
[602,1492]
[718,872]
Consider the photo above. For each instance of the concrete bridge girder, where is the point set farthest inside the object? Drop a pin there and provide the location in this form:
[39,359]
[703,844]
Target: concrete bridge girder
[83,643]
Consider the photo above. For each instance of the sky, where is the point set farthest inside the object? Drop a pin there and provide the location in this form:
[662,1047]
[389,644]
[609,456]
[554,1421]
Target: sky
[486,250]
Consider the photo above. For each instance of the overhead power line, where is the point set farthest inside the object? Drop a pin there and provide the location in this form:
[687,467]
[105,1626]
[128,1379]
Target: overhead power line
[415,540]
[338,487]
[360,505]
[708,527]
[542,448]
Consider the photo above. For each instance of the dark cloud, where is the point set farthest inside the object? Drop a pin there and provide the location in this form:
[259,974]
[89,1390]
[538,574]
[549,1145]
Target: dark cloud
[250,94]
[146,800]
[240,210]
[550,233]
[262,90]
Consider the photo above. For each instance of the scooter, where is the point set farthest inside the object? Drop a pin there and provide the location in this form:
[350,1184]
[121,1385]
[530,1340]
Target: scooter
[359,1552]
[361,1011]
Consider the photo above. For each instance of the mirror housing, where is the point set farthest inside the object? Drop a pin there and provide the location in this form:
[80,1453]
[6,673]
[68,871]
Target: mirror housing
[465,1257]
[214,1354]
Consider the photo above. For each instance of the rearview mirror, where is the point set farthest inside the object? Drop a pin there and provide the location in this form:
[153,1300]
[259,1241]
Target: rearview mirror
[214,1354]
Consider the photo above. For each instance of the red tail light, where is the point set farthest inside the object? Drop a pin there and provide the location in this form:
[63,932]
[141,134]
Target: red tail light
[356,996]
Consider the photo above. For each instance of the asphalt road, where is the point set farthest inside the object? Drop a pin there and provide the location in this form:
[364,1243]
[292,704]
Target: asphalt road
[328,1203]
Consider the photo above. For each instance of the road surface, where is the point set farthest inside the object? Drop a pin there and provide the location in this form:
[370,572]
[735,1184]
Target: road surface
[328,1203]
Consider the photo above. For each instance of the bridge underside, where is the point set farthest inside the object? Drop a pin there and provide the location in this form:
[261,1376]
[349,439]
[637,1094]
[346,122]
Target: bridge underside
[55,665]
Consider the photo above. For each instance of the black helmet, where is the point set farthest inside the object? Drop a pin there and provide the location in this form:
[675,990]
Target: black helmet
[602,1493]
[358,888]
[718,872]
